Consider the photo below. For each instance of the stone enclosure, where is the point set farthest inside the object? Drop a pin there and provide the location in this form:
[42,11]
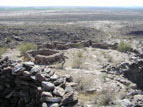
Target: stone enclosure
[50,52]
[45,56]
[76,44]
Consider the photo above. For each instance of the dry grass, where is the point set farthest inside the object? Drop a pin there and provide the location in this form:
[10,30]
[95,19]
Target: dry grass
[59,66]
[3,50]
[84,81]
[9,39]
[26,47]
[77,60]
[104,77]
[104,97]
[86,97]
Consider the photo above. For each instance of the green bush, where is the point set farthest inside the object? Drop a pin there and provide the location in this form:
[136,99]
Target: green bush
[9,39]
[78,45]
[124,47]
[2,50]
[26,47]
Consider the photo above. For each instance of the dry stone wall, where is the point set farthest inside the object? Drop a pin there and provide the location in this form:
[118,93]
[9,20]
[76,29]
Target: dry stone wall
[28,85]
[132,70]
[77,44]
[45,56]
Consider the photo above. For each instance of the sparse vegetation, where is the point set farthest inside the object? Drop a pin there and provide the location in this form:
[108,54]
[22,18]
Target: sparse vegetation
[77,60]
[96,66]
[59,66]
[79,46]
[104,76]
[83,82]
[124,47]
[110,59]
[9,39]
[86,96]
[107,56]
[104,97]
[26,47]
[3,50]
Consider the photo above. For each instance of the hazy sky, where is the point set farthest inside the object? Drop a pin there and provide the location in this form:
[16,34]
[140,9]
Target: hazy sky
[71,2]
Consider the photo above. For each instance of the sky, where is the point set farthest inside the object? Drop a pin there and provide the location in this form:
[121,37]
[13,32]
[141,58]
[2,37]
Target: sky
[110,3]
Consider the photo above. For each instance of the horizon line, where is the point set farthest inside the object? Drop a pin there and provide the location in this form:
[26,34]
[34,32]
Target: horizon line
[79,6]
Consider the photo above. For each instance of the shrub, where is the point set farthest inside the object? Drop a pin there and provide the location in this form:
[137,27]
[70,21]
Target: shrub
[2,50]
[76,63]
[79,45]
[104,97]
[59,66]
[110,59]
[77,60]
[9,39]
[124,47]
[26,47]
[104,76]
[83,82]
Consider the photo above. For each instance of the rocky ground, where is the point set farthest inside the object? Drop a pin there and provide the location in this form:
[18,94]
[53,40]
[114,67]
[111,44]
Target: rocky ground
[100,81]
[101,77]
[91,76]
[29,85]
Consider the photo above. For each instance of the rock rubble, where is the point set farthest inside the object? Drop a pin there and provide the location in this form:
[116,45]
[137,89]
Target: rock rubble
[29,85]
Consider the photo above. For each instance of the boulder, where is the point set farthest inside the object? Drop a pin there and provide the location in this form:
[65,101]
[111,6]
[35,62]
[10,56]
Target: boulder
[58,91]
[69,98]
[40,77]
[48,86]
[46,94]
[26,73]
[138,100]
[51,99]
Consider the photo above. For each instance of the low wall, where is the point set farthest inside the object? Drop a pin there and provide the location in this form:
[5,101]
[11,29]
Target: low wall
[132,70]
[64,45]
[45,56]
[29,85]
[77,44]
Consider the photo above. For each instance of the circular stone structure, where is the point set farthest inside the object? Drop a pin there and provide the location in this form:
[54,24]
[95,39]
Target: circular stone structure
[45,56]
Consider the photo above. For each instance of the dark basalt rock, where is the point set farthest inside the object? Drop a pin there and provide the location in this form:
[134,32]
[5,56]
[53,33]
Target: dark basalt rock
[133,71]
[136,33]
[28,85]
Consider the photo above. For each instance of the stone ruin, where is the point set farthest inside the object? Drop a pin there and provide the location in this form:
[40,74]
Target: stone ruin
[45,56]
[80,44]
[28,85]
[76,44]
[49,53]
[135,73]
[132,70]
[65,45]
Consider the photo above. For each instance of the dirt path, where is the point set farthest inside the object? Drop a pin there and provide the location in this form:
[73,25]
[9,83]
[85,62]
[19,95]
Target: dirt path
[13,54]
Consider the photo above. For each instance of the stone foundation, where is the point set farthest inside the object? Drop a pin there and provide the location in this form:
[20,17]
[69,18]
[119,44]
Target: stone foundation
[77,44]
[65,45]
[45,56]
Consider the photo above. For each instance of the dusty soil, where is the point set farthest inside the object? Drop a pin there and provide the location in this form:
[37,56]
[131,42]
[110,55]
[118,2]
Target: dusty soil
[13,54]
